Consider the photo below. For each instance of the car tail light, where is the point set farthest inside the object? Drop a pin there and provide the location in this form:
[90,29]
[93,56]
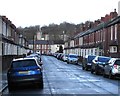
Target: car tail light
[115,66]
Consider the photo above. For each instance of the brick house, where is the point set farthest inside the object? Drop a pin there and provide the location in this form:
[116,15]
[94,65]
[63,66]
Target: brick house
[101,39]
[12,42]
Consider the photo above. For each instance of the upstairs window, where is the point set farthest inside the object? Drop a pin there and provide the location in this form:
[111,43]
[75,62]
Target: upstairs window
[111,32]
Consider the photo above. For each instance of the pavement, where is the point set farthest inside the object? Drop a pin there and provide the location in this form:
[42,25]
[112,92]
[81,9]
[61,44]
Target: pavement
[3,81]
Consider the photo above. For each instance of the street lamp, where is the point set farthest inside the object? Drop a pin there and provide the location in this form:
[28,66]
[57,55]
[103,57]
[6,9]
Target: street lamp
[63,35]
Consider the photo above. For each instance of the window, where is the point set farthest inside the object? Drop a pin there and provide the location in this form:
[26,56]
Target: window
[23,63]
[111,32]
[115,31]
[113,49]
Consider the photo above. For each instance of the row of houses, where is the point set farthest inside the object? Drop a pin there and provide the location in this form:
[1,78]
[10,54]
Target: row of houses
[101,38]
[11,42]
[46,46]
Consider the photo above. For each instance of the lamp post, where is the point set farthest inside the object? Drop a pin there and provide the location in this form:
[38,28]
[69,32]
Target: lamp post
[63,35]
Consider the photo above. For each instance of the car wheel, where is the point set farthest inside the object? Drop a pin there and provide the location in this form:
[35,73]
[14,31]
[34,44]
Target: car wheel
[104,75]
[41,85]
[67,62]
[86,68]
[92,71]
[10,88]
[83,67]
[96,72]
[111,76]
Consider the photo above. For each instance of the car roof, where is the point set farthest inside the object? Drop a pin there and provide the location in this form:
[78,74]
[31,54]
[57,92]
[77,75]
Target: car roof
[103,56]
[73,54]
[89,55]
[115,58]
[18,59]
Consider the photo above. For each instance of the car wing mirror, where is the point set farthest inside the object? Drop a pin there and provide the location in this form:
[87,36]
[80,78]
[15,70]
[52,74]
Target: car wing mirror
[107,63]
[41,63]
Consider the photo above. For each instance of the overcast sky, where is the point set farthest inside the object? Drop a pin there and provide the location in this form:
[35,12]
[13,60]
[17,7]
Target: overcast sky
[44,12]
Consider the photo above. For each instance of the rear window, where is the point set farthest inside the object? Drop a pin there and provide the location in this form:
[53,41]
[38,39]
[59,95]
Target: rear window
[103,59]
[90,58]
[117,62]
[73,56]
[23,63]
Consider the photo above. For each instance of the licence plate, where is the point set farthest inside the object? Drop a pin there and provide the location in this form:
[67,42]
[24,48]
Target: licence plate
[23,72]
[89,63]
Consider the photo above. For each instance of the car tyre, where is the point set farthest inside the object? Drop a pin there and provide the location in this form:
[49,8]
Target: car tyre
[92,71]
[96,72]
[111,76]
[83,68]
[104,75]
[86,68]
[10,88]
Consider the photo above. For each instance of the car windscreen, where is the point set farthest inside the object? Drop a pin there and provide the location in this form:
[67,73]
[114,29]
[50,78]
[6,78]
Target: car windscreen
[23,63]
[117,62]
[103,59]
[73,56]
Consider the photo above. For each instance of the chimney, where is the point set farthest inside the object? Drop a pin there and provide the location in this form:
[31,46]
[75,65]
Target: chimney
[102,19]
[113,14]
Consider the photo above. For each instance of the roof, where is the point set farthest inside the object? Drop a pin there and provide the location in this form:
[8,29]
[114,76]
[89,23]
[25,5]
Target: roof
[24,59]
[58,42]
[46,42]
[100,26]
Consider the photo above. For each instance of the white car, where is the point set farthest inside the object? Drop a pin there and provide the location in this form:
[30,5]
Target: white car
[112,68]
[64,58]
[72,58]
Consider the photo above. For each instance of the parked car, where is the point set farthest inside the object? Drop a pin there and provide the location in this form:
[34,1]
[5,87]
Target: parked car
[87,62]
[64,57]
[59,56]
[24,71]
[112,68]
[72,58]
[37,56]
[98,64]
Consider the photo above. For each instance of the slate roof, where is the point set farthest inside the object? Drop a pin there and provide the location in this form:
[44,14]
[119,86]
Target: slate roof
[100,26]
[46,42]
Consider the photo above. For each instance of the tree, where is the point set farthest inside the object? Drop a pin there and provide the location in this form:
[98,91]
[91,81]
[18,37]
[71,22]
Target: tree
[60,49]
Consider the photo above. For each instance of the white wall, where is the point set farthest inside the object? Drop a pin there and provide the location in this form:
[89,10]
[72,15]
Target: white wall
[119,8]
[54,48]
[0,48]
[0,25]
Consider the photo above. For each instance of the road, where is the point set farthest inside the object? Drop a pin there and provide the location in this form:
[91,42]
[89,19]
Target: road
[69,79]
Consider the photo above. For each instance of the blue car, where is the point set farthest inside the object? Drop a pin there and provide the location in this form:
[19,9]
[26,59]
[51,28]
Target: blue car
[24,71]
[98,64]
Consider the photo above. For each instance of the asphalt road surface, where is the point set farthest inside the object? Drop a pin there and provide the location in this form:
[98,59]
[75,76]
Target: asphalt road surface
[61,79]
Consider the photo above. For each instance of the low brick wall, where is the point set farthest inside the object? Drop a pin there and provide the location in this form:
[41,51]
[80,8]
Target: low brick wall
[80,59]
[6,60]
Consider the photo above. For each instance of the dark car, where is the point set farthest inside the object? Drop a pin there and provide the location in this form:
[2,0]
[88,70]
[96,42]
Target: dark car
[87,62]
[98,64]
[112,68]
[24,71]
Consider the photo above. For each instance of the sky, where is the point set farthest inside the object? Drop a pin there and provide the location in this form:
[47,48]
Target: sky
[27,13]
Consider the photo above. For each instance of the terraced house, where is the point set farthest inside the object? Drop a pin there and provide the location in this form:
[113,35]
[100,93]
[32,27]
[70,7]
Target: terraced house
[12,43]
[102,38]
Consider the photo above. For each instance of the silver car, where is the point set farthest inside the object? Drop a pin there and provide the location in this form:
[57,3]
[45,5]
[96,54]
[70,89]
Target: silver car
[112,68]
[72,58]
